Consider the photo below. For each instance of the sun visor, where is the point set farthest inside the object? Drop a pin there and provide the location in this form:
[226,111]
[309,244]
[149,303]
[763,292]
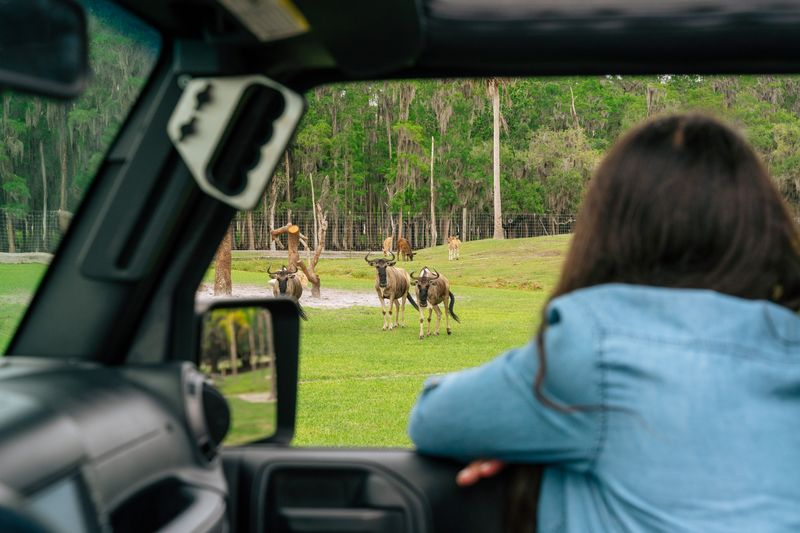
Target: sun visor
[367,38]
[539,37]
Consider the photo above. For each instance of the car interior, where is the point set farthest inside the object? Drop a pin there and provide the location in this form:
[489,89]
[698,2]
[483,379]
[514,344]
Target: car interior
[106,421]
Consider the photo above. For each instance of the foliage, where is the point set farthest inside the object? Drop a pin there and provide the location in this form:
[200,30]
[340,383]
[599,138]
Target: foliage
[372,139]
[49,150]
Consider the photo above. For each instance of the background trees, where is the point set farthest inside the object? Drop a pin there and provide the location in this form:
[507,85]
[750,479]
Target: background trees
[373,141]
[383,146]
[50,150]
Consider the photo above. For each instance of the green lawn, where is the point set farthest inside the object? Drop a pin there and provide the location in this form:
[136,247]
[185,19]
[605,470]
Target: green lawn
[357,382]
[17,283]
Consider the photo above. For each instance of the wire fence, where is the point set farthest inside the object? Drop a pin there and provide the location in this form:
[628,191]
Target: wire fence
[366,232]
[355,232]
[33,232]
[41,232]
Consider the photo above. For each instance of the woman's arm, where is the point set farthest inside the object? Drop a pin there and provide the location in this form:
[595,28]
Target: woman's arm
[491,411]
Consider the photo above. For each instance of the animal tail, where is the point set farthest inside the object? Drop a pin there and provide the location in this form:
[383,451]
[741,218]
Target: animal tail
[302,312]
[411,301]
[452,303]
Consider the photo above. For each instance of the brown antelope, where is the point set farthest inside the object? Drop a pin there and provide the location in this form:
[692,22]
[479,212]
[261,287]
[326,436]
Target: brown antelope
[287,282]
[453,247]
[433,289]
[404,248]
[387,245]
[391,283]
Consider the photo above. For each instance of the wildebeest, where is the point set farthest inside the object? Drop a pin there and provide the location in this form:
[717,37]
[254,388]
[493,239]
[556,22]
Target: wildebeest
[391,283]
[287,282]
[387,245]
[404,248]
[453,247]
[433,289]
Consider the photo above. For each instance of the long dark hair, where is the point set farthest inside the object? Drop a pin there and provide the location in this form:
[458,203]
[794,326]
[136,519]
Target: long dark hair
[682,201]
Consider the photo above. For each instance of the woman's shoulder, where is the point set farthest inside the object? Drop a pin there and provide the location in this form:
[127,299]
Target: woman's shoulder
[618,308]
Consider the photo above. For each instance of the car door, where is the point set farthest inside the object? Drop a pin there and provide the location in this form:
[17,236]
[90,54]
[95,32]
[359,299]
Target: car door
[141,241]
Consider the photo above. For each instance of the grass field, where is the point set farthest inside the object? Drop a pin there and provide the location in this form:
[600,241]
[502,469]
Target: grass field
[357,382]
[17,283]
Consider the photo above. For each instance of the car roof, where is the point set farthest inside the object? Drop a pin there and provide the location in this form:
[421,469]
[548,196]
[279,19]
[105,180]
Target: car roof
[360,39]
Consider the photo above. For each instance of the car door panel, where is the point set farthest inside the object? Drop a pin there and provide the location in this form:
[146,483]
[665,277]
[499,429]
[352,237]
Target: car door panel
[275,488]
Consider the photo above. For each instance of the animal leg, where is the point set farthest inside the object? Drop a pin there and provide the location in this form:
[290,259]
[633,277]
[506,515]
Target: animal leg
[397,314]
[430,312]
[421,322]
[383,310]
[403,308]
[391,304]
[438,318]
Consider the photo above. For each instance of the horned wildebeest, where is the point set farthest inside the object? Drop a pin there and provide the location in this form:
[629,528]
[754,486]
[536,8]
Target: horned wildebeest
[433,289]
[453,247]
[404,248]
[391,283]
[387,245]
[286,282]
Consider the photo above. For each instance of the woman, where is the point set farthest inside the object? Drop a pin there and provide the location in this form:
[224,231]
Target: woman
[662,391]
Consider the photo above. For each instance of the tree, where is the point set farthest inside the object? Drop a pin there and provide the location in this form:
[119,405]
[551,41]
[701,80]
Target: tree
[222,266]
[494,94]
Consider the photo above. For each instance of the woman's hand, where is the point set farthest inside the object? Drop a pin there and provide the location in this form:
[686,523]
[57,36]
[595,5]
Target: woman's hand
[477,470]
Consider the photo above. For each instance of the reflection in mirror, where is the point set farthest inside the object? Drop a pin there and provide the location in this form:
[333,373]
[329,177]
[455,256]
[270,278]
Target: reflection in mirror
[237,352]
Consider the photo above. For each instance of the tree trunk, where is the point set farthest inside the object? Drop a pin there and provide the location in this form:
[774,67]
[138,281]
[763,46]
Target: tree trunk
[572,107]
[252,359]
[12,247]
[292,244]
[288,188]
[650,98]
[273,200]
[251,235]
[234,357]
[314,212]
[222,267]
[400,224]
[446,227]
[62,153]
[498,210]
[433,202]
[464,232]
[271,396]
[44,197]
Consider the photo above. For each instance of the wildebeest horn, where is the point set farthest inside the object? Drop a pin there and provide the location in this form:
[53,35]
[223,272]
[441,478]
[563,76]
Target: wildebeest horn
[392,254]
[366,257]
[412,275]
[294,271]
[437,274]
[269,272]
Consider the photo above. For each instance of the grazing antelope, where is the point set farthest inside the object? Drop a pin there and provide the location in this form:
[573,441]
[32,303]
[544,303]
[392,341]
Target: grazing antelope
[391,283]
[433,289]
[287,282]
[387,245]
[453,247]
[404,248]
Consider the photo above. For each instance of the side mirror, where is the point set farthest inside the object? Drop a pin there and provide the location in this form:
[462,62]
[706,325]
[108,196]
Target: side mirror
[249,348]
[43,47]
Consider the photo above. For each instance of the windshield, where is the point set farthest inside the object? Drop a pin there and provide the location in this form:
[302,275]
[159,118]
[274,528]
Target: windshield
[50,151]
[414,160]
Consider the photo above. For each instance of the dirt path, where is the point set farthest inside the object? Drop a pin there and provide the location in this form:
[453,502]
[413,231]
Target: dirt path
[330,299]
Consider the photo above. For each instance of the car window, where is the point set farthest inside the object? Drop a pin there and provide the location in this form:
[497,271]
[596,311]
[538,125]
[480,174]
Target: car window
[50,151]
[370,154]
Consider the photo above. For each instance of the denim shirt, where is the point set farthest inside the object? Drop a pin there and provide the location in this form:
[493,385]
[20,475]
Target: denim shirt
[694,422]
